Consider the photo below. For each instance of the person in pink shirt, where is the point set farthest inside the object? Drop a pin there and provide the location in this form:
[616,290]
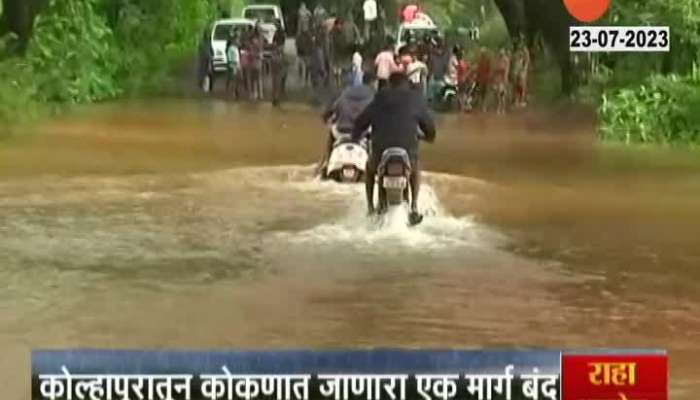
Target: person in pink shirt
[386,65]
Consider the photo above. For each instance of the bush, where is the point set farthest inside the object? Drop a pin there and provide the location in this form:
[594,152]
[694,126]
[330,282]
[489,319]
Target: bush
[73,54]
[17,93]
[651,98]
[663,110]
[85,51]
[154,36]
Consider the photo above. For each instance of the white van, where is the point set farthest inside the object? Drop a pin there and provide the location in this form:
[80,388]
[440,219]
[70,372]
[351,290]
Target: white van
[220,34]
[420,27]
[268,15]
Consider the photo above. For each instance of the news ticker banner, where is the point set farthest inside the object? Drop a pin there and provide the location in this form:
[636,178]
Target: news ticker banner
[350,375]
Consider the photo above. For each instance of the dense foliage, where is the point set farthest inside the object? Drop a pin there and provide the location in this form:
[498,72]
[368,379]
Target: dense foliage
[91,50]
[73,54]
[663,109]
[653,98]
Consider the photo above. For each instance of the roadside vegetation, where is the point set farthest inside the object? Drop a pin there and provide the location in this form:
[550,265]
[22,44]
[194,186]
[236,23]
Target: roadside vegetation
[56,52]
[61,52]
[643,98]
[652,98]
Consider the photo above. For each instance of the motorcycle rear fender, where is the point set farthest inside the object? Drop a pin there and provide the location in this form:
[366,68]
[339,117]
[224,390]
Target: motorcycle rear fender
[391,154]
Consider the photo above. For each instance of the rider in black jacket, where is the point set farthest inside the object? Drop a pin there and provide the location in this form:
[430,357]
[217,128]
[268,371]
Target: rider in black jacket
[395,115]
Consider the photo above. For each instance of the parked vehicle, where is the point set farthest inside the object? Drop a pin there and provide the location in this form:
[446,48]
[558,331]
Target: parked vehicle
[444,96]
[269,15]
[420,27]
[220,33]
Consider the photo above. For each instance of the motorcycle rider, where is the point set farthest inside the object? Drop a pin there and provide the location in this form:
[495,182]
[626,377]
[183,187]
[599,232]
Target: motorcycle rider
[343,112]
[395,115]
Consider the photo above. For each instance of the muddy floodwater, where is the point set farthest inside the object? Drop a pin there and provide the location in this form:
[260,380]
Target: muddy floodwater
[198,224]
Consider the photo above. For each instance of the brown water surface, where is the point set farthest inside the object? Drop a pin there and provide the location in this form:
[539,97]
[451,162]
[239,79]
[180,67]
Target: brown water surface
[197,224]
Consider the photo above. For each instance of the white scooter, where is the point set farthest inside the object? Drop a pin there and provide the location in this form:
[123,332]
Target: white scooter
[348,160]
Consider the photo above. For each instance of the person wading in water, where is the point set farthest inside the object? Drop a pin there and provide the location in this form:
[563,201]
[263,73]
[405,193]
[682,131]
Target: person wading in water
[501,80]
[520,75]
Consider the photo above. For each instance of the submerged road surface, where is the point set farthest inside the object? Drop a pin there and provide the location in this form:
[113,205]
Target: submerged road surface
[198,224]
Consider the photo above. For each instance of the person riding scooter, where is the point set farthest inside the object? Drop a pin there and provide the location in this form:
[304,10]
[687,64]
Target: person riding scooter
[394,116]
[343,112]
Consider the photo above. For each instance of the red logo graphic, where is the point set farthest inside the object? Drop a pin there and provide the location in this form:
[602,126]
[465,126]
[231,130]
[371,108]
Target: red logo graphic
[587,10]
[615,377]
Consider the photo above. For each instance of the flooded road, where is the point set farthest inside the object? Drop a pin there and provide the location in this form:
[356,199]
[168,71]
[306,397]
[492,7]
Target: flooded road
[189,224]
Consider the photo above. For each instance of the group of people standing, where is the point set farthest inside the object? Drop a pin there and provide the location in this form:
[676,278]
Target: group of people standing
[505,75]
[328,47]
[333,53]
[480,78]
[248,64]
[394,108]
[249,60]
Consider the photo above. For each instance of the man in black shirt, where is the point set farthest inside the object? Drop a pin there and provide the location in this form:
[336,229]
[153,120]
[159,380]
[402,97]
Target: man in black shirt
[395,116]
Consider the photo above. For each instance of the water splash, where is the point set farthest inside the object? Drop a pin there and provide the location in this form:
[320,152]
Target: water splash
[439,229]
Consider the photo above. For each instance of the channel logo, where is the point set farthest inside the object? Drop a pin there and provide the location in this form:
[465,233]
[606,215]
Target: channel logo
[587,10]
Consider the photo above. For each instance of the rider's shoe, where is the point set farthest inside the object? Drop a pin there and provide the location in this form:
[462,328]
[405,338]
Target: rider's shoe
[415,218]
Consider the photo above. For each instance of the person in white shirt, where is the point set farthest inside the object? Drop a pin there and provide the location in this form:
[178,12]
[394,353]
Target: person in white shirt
[304,20]
[370,11]
[357,70]
[417,72]
[452,76]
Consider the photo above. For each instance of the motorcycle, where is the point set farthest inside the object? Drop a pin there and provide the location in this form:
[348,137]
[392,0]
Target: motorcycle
[348,159]
[445,96]
[394,181]
[393,177]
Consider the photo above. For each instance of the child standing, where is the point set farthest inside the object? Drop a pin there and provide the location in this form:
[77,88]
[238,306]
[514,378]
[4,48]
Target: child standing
[521,69]
[483,77]
[278,72]
[465,84]
[501,80]
[233,58]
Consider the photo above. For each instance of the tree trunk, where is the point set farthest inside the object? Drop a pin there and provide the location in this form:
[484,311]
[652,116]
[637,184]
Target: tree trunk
[513,12]
[553,20]
[112,10]
[392,10]
[527,18]
[18,17]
